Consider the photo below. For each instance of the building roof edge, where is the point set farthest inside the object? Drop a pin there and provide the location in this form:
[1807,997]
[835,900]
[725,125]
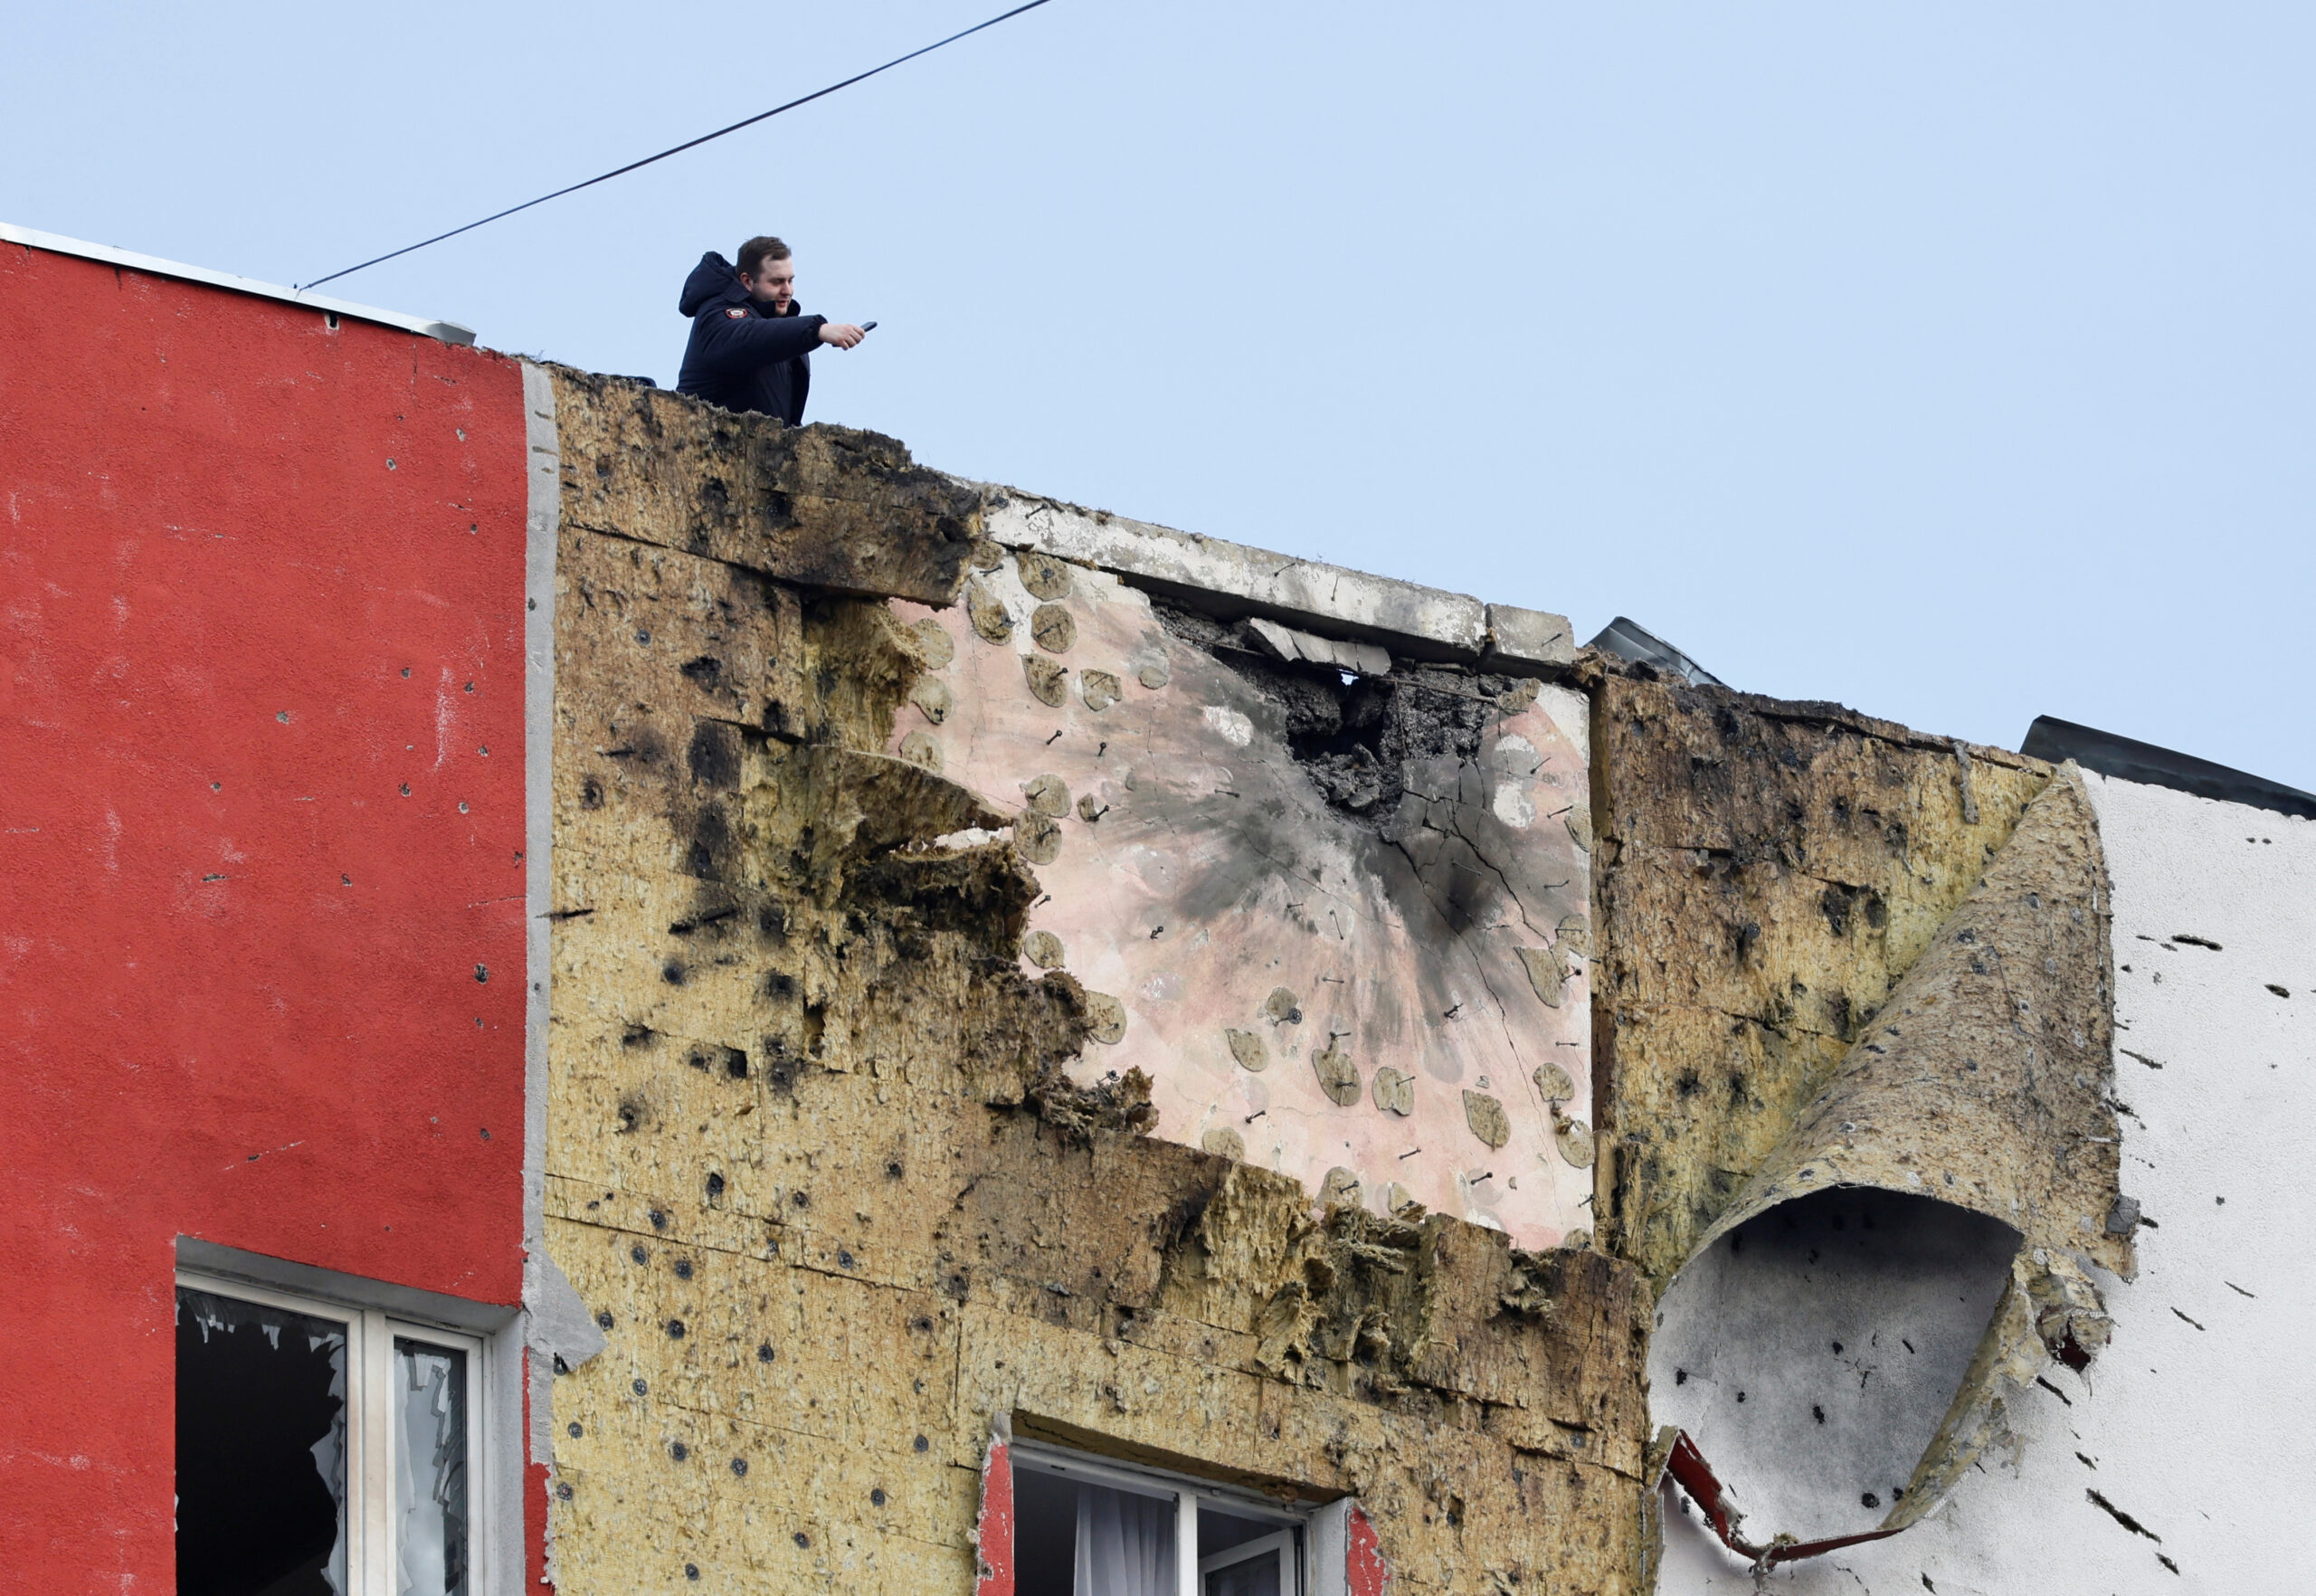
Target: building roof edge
[449,332]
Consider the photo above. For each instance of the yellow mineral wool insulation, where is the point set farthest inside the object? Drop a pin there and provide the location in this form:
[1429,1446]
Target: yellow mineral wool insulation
[1765,873]
[817,1165]
[1851,1330]
[842,510]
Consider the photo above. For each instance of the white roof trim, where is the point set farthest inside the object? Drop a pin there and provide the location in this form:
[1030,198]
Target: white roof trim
[449,332]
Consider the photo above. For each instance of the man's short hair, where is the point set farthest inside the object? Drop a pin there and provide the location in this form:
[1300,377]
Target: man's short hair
[756,252]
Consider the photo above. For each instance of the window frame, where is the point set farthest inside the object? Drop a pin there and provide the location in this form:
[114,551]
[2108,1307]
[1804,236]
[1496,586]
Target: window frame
[371,1565]
[1283,1545]
[1188,1492]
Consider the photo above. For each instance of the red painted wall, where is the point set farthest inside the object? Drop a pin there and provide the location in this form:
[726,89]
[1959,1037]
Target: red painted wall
[993,1557]
[261,616]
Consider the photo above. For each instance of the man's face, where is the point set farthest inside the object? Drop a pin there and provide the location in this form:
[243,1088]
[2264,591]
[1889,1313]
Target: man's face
[773,286]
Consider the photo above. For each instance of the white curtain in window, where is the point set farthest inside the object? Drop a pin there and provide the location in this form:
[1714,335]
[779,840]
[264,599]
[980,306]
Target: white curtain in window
[1125,1543]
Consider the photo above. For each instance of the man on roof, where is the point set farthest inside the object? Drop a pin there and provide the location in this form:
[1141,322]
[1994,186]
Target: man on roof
[751,345]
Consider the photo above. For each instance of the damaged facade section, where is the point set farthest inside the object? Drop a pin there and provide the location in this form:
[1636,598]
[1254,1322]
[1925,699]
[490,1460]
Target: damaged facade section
[1857,1006]
[1023,1009]
[1000,996]
[854,1167]
[1339,919]
[1771,871]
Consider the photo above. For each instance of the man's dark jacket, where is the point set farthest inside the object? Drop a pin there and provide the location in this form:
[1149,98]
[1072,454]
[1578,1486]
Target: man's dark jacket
[742,356]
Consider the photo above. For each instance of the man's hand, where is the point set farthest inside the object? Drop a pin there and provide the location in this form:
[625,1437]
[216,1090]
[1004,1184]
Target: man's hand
[842,334]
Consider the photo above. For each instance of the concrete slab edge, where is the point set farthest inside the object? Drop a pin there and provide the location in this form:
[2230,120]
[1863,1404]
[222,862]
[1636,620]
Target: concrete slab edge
[1233,580]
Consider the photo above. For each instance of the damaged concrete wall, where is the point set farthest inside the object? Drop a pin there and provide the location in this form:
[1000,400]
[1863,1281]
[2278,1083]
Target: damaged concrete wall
[2172,1462]
[828,1160]
[1338,915]
[1014,968]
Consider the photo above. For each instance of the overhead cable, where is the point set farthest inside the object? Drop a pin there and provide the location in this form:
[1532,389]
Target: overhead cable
[678,149]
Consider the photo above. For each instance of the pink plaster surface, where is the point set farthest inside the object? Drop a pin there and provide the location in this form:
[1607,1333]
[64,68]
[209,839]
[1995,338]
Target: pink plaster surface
[1215,873]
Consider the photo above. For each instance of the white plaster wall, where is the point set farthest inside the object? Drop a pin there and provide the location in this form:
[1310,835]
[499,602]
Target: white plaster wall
[2199,1422]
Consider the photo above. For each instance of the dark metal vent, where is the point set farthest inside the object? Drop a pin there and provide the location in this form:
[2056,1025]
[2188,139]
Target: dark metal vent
[1629,639]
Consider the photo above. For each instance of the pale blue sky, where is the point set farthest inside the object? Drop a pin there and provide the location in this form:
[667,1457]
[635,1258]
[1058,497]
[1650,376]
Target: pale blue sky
[1954,361]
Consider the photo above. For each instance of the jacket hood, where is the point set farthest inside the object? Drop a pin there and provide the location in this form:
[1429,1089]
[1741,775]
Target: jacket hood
[712,283]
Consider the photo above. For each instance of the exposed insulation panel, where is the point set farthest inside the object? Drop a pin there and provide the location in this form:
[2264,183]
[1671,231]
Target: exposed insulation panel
[1767,871]
[1858,1001]
[1979,1102]
[2134,1475]
[817,1165]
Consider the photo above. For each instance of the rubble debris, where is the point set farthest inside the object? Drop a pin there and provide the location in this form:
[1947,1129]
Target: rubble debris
[1115,1103]
[1356,738]
[1285,643]
[1630,640]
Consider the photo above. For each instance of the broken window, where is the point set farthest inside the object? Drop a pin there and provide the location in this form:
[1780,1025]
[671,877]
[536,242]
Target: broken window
[429,1406]
[261,1449]
[322,1449]
[1089,1528]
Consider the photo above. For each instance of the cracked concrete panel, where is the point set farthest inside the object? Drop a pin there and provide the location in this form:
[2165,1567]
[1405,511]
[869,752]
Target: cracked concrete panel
[1766,872]
[1422,911]
[1856,1325]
